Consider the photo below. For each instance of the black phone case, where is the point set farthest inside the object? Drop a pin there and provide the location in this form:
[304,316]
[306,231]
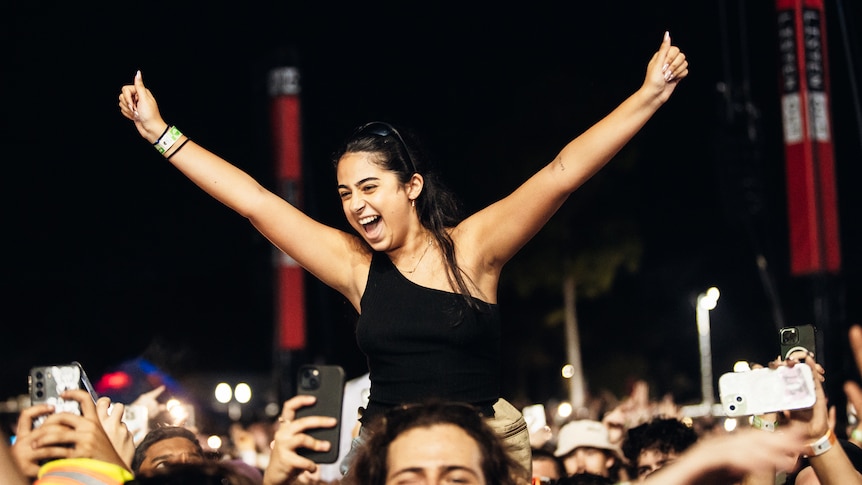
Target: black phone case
[800,336]
[326,382]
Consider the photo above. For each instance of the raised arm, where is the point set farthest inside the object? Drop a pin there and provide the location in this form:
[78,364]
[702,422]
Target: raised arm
[324,251]
[825,455]
[503,228]
[726,458]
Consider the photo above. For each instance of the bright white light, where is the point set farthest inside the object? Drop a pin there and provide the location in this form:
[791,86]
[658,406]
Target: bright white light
[709,299]
[214,442]
[730,424]
[223,392]
[242,393]
[568,371]
[564,410]
[179,413]
[741,366]
[172,404]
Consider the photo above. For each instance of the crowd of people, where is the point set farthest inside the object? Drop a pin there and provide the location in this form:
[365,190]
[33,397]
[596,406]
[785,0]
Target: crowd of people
[436,441]
[423,280]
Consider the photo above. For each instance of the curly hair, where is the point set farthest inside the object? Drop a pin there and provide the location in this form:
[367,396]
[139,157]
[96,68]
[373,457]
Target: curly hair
[662,434]
[370,465]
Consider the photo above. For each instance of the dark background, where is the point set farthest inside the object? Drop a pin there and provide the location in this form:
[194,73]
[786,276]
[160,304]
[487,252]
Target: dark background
[111,254]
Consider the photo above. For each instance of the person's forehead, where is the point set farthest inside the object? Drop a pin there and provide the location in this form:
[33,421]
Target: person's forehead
[356,166]
[545,467]
[171,446]
[653,455]
[434,446]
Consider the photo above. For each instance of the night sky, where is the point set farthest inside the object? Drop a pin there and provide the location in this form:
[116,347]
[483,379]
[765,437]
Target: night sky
[111,253]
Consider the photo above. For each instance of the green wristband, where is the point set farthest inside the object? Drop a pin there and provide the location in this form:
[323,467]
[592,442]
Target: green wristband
[758,423]
[168,139]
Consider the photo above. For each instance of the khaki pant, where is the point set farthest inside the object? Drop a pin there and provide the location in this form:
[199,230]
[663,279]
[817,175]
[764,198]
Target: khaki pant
[509,423]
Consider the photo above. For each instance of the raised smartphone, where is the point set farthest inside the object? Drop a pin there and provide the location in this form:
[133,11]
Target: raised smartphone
[765,390]
[796,338]
[47,382]
[326,382]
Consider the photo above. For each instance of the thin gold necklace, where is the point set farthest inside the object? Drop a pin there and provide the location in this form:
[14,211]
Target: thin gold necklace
[420,258]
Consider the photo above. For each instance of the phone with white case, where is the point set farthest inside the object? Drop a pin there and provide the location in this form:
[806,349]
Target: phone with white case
[765,390]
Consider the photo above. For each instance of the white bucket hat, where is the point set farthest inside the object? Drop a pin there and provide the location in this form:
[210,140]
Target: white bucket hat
[585,433]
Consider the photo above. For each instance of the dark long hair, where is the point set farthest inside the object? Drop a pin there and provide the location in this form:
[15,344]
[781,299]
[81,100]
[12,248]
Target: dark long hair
[437,207]
[370,466]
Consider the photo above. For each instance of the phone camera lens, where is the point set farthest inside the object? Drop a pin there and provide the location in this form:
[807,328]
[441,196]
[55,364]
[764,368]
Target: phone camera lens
[39,375]
[732,407]
[39,394]
[738,398]
[788,336]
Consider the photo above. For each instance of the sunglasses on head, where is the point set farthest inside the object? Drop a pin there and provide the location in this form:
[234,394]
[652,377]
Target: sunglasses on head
[385,130]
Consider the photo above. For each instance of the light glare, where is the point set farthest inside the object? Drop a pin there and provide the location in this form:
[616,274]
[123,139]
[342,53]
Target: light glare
[223,392]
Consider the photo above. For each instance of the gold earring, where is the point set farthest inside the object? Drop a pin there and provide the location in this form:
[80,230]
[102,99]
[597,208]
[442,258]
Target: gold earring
[413,202]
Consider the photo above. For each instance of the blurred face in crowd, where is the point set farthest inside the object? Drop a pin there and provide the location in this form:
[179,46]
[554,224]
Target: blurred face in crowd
[588,460]
[439,454]
[170,451]
[651,460]
[545,468]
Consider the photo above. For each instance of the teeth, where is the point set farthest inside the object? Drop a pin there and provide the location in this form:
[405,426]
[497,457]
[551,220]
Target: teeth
[368,220]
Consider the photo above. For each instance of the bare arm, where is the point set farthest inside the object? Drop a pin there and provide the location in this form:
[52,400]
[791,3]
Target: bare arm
[833,466]
[326,252]
[500,230]
[728,457]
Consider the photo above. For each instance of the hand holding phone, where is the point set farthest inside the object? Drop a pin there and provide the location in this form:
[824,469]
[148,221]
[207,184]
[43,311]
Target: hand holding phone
[47,383]
[326,383]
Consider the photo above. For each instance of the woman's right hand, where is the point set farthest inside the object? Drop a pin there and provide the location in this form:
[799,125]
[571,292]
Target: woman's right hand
[138,104]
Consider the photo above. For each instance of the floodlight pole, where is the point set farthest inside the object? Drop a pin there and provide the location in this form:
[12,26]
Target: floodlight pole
[706,302]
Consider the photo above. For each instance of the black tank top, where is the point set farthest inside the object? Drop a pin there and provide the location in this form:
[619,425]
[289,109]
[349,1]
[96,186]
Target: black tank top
[422,343]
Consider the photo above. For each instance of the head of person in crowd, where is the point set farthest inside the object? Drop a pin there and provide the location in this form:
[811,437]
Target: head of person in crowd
[166,445]
[204,472]
[653,444]
[432,442]
[585,479]
[584,447]
[547,468]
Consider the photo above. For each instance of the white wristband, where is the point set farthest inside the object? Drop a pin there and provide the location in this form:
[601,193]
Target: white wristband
[167,140]
[822,445]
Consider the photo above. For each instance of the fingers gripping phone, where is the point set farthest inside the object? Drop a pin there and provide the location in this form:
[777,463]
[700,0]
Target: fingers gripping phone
[765,390]
[47,382]
[326,382]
